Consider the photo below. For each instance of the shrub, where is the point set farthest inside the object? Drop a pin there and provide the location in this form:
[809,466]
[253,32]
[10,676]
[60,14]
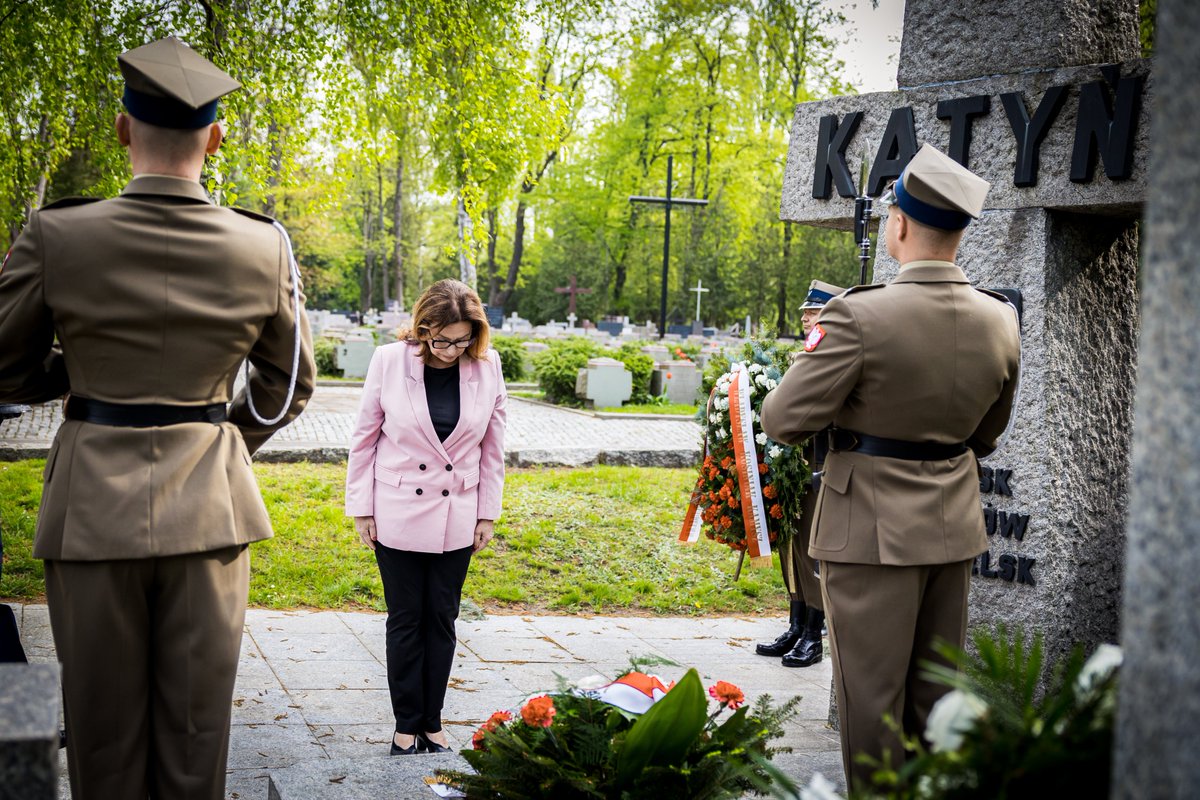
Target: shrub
[557,368]
[512,357]
[640,366]
[324,352]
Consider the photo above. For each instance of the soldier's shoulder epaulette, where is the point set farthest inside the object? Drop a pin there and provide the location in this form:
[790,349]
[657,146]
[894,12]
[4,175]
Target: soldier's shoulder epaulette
[245,212]
[68,202]
[866,287]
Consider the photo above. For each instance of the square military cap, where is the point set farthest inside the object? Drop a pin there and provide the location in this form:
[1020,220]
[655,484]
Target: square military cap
[820,293]
[936,190]
[170,85]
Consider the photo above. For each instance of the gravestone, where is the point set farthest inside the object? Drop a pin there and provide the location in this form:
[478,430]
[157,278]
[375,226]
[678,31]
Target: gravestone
[29,697]
[612,328]
[679,331]
[353,356]
[1028,96]
[657,351]
[1158,718]
[678,380]
[604,383]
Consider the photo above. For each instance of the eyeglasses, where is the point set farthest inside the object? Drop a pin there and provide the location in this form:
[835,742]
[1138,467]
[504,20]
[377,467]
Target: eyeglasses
[444,344]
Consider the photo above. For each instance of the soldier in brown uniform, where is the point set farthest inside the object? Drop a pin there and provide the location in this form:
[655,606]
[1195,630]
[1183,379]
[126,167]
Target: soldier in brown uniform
[918,378]
[156,297]
[801,644]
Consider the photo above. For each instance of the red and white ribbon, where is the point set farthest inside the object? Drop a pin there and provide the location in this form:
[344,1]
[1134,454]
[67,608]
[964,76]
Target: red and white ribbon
[741,425]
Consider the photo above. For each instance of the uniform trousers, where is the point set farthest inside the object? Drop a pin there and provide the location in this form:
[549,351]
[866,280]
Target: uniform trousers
[883,622]
[798,567]
[422,592]
[149,649]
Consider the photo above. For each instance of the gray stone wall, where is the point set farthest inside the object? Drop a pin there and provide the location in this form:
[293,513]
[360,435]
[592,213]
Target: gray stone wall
[953,41]
[1159,713]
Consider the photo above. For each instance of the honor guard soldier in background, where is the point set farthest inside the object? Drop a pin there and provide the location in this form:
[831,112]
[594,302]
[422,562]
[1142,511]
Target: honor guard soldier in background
[156,298]
[801,644]
[918,378]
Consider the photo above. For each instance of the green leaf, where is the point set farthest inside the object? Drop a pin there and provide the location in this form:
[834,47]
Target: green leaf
[666,732]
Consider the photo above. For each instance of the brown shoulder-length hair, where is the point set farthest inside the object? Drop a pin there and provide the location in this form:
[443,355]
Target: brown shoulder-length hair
[445,303]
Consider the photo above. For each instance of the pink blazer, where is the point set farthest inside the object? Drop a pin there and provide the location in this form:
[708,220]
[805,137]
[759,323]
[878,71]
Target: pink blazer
[426,495]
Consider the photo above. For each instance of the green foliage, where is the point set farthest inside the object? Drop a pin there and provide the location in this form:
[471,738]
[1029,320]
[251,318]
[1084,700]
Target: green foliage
[600,540]
[640,366]
[558,367]
[325,354]
[512,357]
[1020,743]
[676,749]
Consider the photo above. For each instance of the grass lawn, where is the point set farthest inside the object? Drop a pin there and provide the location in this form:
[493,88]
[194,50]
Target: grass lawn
[677,409]
[596,540]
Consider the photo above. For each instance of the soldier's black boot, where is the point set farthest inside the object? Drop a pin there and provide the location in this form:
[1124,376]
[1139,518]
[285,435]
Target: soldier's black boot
[809,649]
[792,635]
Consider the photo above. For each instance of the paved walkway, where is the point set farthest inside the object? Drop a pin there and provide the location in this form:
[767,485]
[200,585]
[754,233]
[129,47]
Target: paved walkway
[537,434]
[312,686]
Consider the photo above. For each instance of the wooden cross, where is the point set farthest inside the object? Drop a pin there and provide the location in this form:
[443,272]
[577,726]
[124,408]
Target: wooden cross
[699,290]
[668,201]
[571,290]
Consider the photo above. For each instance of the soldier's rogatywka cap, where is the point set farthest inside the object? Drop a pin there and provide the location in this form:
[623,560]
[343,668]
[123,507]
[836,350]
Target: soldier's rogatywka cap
[820,293]
[172,86]
[936,190]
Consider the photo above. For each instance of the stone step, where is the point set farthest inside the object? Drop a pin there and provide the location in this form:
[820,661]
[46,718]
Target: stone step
[393,777]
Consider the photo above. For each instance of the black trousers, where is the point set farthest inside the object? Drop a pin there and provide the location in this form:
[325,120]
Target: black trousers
[422,591]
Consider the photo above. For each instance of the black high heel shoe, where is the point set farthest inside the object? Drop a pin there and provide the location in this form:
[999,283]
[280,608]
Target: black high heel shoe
[427,745]
[412,749]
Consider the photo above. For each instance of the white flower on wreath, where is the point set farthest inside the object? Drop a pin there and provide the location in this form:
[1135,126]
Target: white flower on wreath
[1098,668]
[720,433]
[751,392]
[819,788]
[771,384]
[764,381]
[775,451]
[754,416]
[761,439]
[755,368]
[714,418]
[952,716]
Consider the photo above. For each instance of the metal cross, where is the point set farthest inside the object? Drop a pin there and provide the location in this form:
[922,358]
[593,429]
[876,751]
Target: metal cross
[668,201]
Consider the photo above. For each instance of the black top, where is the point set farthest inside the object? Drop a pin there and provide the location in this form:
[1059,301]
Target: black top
[441,392]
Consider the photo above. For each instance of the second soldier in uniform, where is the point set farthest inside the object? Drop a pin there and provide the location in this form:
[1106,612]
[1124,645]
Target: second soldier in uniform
[801,644]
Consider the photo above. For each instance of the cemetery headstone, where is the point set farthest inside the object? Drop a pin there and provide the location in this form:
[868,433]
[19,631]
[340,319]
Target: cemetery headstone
[1060,131]
[353,356]
[678,380]
[604,383]
[612,328]
[29,698]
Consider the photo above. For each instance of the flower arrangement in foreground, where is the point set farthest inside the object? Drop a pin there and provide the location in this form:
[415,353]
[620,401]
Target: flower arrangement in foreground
[719,502]
[632,738]
[996,734]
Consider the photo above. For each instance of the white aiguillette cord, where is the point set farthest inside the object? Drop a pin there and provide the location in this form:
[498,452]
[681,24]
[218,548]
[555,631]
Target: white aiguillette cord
[294,270]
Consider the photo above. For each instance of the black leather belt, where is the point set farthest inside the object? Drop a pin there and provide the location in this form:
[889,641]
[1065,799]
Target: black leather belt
[846,441]
[140,415]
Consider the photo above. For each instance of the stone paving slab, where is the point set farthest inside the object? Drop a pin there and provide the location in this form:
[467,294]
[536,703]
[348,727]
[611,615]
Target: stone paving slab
[537,434]
[311,704]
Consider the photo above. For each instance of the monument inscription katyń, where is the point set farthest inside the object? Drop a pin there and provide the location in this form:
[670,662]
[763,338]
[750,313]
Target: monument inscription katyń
[1048,100]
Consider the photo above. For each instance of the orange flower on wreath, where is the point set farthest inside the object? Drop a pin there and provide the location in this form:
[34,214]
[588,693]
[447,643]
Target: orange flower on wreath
[733,502]
[727,694]
[726,462]
[493,722]
[769,491]
[538,712]
[762,469]
[777,511]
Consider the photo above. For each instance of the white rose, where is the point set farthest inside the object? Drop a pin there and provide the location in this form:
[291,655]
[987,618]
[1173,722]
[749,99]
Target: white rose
[771,384]
[1098,668]
[819,788]
[755,368]
[775,452]
[754,416]
[714,418]
[952,716]
[761,439]
[762,380]
[720,434]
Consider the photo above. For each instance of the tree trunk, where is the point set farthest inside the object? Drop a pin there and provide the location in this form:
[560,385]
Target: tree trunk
[366,296]
[492,273]
[466,268]
[384,285]
[397,231]
[514,264]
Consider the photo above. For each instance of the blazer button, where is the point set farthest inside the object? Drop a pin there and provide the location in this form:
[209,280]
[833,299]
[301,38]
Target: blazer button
[445,492]
[420,491]
[449,468]
[421,467]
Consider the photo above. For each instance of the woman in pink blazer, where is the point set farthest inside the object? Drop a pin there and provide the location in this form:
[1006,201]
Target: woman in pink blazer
[424,483]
